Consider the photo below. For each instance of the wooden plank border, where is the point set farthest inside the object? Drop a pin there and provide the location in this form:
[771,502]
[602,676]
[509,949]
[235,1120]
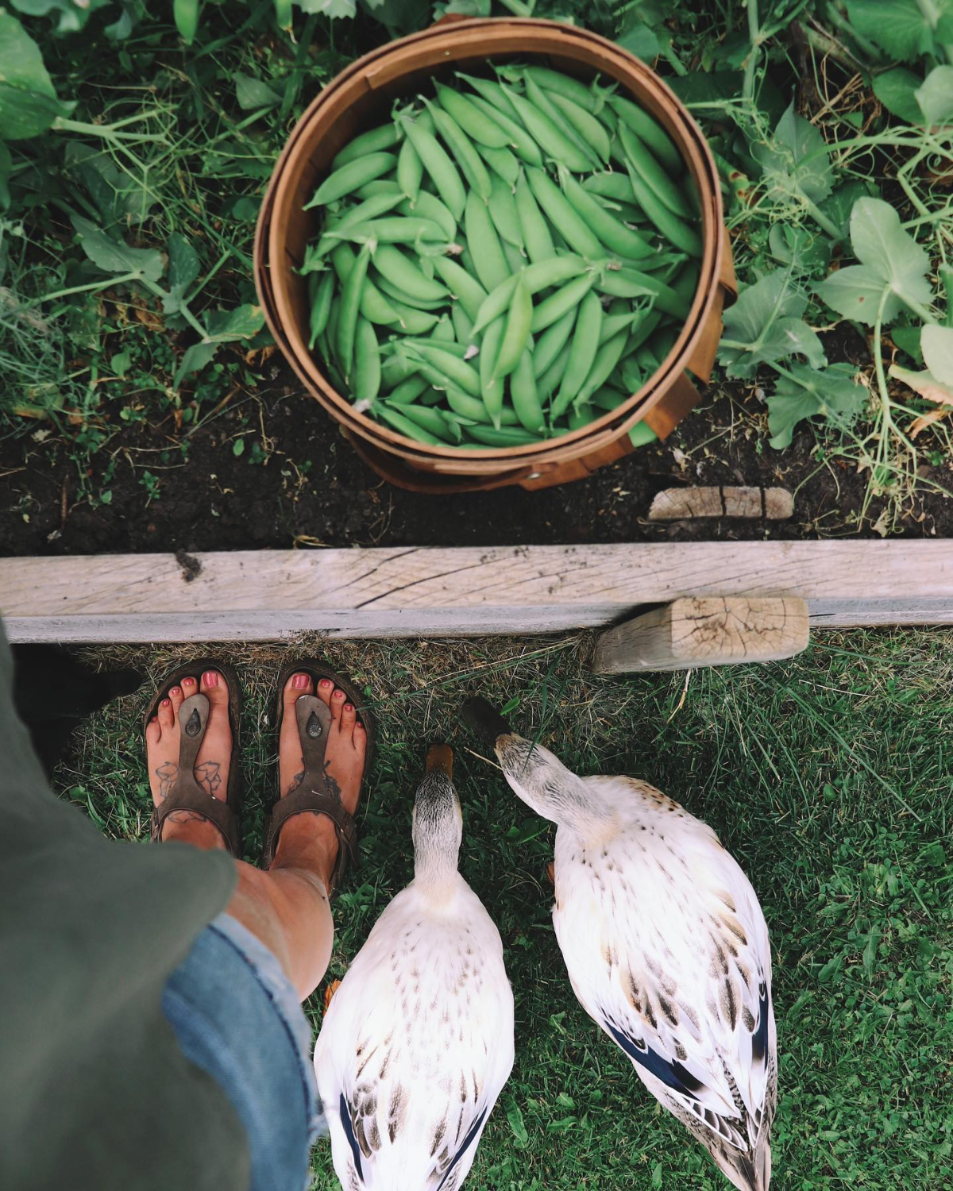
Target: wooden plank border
[433,592]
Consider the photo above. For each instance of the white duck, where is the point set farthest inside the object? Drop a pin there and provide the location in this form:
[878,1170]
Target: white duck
[665,944]
[418,1040]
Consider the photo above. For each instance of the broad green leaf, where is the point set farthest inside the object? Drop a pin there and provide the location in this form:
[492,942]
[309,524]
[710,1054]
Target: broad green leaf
[73,15]
[113,256]
[336,9]
[897,26]
[514,1114]
[765,319]
[890,259]
[119,197]
[896,90]
[641,41]
[839,205]
[924,383]
[28,103]
[908,340]
[184,267]
[794,160]
[252,93]
[244,322]
[935,97]
[800,246]
[809,393]
[936,343]
[194,360]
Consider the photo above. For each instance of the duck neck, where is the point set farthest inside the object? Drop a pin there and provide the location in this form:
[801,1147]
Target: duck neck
[552,790]
[437,833]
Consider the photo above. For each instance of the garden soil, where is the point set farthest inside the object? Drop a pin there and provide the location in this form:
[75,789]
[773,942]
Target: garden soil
[298,482]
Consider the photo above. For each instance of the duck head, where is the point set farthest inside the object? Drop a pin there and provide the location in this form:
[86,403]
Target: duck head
[535,774]
[437,823]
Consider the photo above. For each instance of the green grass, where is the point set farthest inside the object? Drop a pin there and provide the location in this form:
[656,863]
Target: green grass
[827,776]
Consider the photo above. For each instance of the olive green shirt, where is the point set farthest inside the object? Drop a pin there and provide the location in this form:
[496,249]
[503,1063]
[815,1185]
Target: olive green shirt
[96,1094]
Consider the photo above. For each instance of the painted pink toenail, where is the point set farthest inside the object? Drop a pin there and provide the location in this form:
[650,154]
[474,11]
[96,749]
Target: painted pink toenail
[210,678]
[324,683]
[154,720]
[300,681]
[188,681]
[348,707]
[338,695]
[175,691]
[165,702]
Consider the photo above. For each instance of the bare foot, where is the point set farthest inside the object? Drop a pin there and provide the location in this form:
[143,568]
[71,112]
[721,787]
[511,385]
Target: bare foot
[211,764]
[344,767]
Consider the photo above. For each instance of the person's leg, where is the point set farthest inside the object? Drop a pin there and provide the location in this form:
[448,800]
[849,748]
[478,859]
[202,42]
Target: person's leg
[287,907]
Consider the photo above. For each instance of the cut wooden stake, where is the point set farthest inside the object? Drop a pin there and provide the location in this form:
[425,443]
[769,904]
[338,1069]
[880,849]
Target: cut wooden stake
[708,631]
[680,504]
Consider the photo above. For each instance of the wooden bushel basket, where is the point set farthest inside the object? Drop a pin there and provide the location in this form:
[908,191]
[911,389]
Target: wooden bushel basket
[361,97]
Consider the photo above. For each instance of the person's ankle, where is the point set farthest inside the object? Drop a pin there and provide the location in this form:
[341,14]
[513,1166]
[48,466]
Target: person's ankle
[188,828]
[308,841]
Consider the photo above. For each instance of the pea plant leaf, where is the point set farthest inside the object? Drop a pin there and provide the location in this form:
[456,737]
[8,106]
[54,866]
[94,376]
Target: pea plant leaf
[184,268]
[936,343]
[924,383]
[114,256]
[896,89]
[794,161]
[898,27]
[252,94]
[28,102]
[892,270]
[764,327]
[72,16]
[935,97]
[330,8]
[803,392]
[223,326]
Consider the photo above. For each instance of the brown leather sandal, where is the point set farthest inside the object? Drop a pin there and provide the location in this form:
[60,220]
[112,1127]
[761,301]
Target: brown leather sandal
[314,793]
[186,794]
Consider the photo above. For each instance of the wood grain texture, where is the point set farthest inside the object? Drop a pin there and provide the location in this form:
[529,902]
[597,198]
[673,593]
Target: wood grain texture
[705,631]
[265,595]
[679,504]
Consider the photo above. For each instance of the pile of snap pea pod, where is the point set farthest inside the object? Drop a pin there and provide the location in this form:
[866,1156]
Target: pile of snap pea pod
[504,261]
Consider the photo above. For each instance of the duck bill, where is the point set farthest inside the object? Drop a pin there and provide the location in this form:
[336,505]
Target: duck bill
[485,721]
[440,760]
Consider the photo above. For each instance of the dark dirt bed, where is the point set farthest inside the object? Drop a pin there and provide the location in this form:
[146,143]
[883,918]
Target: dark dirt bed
[298,482]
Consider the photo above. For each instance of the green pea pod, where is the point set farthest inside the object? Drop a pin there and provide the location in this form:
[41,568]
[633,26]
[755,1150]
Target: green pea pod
[587,127]
[375,140]
[654,177]
[502,162]
[566,86]
[556,305]
[392,229]
[443,333]
[367,362]
[524,396]
[642,330]
[397,369]
[457,371]
[608,398]
[437,165]
[470,163]
[546,384]
[371,208]
[614,235]
[402,273]
[548,136]
[506,436]
[518,138]
[610,186]
[490,92]
[533,227]
[630,283]
[670,226]
[686,282]
[428,206]
[603,366]
[350,305]
[352,176]
[516,337]
[642,434]
[564,217]
[544,104]
[396,294]
[450,345]
[585,344]
[647,130]
[462,285]
[581,415]
[321,308]
[410,170]
[552,341]
[408,390]
[433,421]
[506,220]
[536,277]
[491,385]
[414,322]
[462,324]
[614,323]
[403,425]
[186,15]
[470,118]
[514,258]
[484,244]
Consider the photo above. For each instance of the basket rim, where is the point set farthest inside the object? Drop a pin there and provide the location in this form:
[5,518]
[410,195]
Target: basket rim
[614,423]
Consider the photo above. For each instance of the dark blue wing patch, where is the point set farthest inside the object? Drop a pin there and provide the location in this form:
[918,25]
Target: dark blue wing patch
[759,1040]
[673,1075]
[351,1139]
[471,1133]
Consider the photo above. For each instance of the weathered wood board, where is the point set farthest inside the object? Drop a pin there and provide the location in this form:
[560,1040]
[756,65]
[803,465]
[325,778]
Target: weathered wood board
[265,595]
